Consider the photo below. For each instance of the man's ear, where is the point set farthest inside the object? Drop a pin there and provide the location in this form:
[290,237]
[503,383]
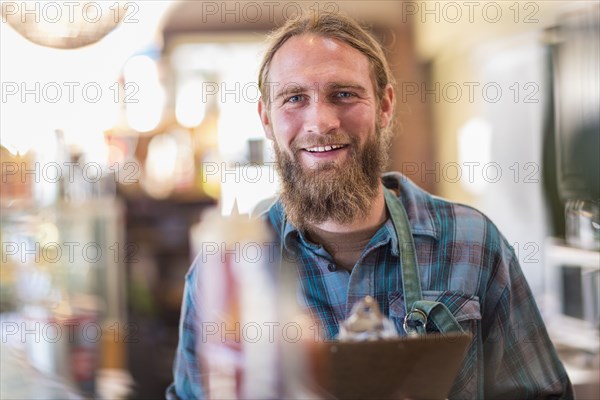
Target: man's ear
[386,106]
[263,112]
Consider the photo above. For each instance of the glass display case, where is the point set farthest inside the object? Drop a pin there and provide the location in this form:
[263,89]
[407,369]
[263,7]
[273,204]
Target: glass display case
[570,307]
[62,281]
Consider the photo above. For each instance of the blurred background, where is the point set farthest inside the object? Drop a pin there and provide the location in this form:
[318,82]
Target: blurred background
[121,122]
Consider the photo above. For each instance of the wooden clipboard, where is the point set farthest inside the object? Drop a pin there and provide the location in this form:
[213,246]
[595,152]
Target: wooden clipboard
[422,367]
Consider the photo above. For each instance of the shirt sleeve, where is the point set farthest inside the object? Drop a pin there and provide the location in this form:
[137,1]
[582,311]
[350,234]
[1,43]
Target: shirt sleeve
[187,377]
[520,361]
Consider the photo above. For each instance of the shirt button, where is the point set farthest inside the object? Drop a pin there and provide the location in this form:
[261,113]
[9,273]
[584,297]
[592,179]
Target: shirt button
[331,267]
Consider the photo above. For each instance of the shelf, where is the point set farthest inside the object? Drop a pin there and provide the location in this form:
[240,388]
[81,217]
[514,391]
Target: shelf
[559,253]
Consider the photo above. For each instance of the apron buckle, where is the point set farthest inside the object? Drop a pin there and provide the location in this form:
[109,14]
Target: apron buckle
[414,320]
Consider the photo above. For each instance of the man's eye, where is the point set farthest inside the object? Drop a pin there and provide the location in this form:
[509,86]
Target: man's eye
[344,95]
[294,99]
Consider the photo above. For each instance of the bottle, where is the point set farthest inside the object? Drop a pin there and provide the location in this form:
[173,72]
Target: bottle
[583,223]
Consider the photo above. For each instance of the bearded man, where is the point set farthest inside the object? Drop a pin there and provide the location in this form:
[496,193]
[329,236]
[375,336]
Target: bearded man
[327,104]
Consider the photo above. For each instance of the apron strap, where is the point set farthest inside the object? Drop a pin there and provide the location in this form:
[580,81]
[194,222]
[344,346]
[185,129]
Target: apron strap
[418,311]
[411,281]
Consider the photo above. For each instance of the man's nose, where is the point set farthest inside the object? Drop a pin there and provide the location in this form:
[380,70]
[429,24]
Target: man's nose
[322,118]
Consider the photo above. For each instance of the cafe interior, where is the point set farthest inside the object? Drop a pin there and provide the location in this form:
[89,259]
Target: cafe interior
[125,124]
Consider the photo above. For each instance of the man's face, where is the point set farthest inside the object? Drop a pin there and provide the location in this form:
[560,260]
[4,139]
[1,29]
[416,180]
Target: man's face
[326,123]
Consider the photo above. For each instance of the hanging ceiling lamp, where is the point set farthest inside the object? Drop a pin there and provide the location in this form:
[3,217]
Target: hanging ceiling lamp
[66,25]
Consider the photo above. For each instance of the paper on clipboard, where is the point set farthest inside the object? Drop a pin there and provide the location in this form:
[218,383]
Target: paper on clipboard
[422,367]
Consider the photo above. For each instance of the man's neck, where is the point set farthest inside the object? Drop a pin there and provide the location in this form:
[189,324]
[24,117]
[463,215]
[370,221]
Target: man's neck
[376,216]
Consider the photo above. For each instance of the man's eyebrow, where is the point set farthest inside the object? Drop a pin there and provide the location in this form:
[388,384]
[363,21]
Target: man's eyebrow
[291,89]
[346,85]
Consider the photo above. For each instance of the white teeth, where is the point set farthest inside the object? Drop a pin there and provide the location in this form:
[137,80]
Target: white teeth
[321,149]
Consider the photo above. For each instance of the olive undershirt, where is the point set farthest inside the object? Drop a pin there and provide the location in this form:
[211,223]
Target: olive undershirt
[346,247]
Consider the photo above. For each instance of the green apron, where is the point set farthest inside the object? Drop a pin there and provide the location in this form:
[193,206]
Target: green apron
[418,311]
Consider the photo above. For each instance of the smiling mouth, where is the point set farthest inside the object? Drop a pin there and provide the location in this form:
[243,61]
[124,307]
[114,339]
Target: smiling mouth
[325,149]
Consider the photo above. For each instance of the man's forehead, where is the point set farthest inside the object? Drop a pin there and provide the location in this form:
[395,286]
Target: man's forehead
[310,61]
[303,46]
[310,41]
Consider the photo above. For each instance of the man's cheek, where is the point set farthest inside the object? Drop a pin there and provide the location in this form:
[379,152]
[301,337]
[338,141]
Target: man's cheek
[287,124]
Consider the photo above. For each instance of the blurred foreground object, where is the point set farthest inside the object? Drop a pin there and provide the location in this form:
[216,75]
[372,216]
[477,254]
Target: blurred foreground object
[235,291]
[366,323]
[248,303]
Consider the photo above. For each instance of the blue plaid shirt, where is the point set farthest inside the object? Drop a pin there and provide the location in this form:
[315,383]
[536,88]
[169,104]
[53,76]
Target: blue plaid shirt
[464,262]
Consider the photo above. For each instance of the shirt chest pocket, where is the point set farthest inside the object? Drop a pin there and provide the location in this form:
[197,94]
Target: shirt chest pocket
[463,307]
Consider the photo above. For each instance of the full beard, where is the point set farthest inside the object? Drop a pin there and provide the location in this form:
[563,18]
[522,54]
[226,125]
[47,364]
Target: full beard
[332,191]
